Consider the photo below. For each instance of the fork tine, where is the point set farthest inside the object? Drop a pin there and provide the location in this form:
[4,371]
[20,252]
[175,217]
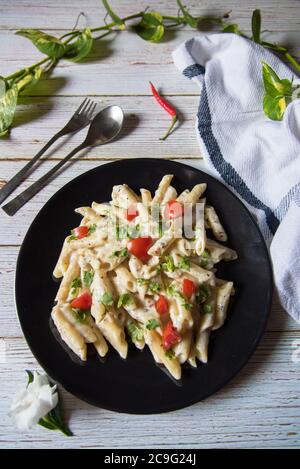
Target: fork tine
[81,106]
[91,112]
[85,107]
[88,108]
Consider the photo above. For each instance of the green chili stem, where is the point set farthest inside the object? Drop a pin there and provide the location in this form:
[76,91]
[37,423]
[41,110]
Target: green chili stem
[169,131]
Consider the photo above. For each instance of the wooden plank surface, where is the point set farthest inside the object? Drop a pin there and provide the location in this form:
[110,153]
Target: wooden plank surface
[260,407]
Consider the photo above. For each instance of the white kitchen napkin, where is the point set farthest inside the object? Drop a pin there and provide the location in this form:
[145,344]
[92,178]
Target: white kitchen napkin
[259,159]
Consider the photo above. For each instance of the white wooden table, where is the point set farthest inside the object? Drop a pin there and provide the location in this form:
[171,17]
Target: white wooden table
[261,406]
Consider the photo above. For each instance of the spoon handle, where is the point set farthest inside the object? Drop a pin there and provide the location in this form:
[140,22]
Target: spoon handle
[15,204]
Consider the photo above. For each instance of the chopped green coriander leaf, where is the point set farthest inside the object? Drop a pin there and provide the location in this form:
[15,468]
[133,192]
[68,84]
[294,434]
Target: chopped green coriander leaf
[203,262]
[88,276]
[206,254]
[152,324]
[168,264]
[203,293]
[207,308]
[107,299]
[155,287]
[142,281]
[92,228]
[71,237]
[171,290]
[80,315]
[75,284]
[170,354]
[125,299]
[122,253]
[135,331]
[184,263]
[158,269]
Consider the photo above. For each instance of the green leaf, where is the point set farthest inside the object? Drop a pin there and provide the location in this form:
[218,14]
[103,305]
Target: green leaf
[92,228]
[152,324]
[80,314]
[190,20]
[116,19]
[256,26]
[125,299]
[274,86]
[8,103]
[170,354]
[80,47]
[155,287]
[88,276]
[48,45]
[75,284]
[107,299]
[184,263]
[53,421]
[274,107]
[151,27]
[231,28]
[135,331]
[168,264]
[207,308]
[30,376]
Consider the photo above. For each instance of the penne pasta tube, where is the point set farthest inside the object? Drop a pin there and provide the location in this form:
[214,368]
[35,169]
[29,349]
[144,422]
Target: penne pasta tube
[182,349]
[69,334]
[100,343]
[82,327]
[114,334]
[71,273]
[162,188]
[214,223]
[153,340]
[222,300]
[146,196]
[201,345]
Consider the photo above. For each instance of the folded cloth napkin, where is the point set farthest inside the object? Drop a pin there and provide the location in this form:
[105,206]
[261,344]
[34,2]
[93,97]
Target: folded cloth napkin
[259,159]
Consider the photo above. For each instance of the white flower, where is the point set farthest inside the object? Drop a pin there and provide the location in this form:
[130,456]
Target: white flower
[34,402]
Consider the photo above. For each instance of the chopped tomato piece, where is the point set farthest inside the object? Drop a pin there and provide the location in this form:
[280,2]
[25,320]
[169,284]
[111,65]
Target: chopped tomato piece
[131,213]
[139,247]
[170,336]
[83,301]
[162,305]
[173,210]
[188,287]
[81,232]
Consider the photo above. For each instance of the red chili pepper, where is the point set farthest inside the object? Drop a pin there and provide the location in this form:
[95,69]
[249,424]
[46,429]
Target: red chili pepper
[167,107]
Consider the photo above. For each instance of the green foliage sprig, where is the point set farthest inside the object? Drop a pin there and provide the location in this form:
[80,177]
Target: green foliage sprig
[77,44]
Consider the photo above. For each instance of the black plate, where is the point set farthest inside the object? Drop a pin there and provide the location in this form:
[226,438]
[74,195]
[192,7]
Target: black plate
[137,385]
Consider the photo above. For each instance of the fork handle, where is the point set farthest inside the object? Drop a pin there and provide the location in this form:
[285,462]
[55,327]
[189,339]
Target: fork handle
[11,185]
[15,204]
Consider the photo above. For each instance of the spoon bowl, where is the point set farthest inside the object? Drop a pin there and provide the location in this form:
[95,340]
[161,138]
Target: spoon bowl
[105,126]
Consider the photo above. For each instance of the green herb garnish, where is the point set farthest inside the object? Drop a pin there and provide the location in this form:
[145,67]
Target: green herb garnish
[92,228]
[142,281]
[203,293]
[107,299]
[75,285]
[168,264]
[125,299]
[155,287]
[122,253]
[207,308]
[80,314]
[135,331]
[88,276]
[170,354]
[184,263]
[152,324]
